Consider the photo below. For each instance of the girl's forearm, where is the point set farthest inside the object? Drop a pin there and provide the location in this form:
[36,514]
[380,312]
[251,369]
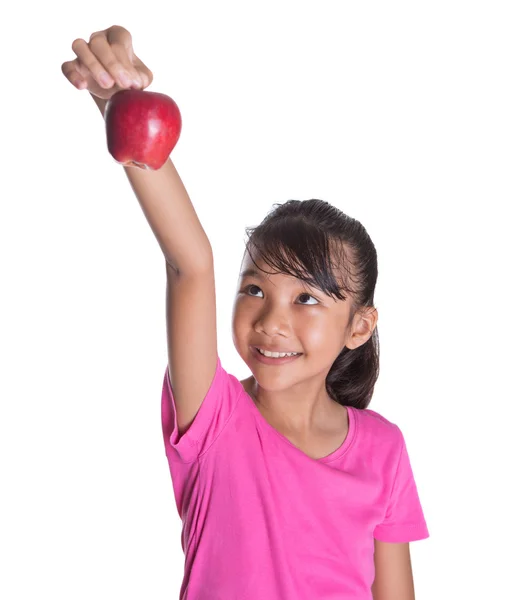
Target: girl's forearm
[170,214]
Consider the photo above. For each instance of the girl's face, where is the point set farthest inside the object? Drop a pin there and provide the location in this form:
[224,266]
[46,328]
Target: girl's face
[281,313]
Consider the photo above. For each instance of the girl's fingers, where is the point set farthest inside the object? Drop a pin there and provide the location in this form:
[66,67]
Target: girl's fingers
[120,41]
[134,78]
[107,60]
[144,72]
[90,61]
[72,74]
[113,47]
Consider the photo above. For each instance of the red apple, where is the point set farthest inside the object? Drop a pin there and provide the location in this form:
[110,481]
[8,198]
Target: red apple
[142,128]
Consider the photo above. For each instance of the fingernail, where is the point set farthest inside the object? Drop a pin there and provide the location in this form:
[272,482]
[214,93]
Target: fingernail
[105,79]
[125,79]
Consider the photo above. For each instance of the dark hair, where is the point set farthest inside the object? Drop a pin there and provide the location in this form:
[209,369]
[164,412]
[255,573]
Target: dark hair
[309,239]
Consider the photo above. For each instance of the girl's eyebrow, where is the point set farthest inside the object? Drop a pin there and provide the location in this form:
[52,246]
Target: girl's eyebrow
[251,273]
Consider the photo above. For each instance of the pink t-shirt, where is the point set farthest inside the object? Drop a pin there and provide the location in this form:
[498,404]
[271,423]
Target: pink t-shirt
[264,521]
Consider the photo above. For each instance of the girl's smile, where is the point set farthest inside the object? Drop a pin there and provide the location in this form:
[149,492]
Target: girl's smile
[272,360]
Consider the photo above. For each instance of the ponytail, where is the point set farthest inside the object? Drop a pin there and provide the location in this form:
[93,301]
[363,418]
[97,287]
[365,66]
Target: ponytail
[354,373]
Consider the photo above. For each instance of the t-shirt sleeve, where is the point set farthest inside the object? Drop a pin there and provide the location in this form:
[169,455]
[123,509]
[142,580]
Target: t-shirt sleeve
[212,417]
[404,519]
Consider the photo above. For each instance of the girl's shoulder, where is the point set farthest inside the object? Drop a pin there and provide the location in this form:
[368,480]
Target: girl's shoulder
[375,425]
[372,414]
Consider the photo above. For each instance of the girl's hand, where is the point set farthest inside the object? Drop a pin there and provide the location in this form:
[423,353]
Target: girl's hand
[103,64]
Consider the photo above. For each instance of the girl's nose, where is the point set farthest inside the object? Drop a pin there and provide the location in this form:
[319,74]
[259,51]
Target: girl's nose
[273,322]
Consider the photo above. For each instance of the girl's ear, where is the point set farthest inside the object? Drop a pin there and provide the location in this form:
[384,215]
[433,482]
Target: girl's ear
[362,327]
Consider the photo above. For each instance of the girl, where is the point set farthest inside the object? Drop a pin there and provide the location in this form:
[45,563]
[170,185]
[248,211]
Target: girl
[288,486]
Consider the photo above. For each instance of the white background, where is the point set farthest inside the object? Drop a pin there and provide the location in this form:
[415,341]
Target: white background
[409,116]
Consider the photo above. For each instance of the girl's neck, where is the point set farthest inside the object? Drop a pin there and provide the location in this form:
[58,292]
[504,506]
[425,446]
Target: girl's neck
[301,413]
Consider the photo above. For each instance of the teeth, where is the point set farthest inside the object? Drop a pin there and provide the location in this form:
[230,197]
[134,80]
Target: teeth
[277,354]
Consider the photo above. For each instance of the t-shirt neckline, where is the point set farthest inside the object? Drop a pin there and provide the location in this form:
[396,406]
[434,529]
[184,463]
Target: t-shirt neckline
[337,453]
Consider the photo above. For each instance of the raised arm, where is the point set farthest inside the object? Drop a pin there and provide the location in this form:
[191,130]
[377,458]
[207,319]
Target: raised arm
[190,299]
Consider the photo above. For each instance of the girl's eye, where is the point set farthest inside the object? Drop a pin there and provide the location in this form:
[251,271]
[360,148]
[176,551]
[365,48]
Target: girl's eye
[250,291]
[308,296]
[249,287]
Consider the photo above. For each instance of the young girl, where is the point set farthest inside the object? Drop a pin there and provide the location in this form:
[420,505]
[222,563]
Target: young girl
[288,487]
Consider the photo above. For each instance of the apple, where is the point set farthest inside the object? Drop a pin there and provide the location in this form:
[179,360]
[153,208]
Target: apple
[142,128]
